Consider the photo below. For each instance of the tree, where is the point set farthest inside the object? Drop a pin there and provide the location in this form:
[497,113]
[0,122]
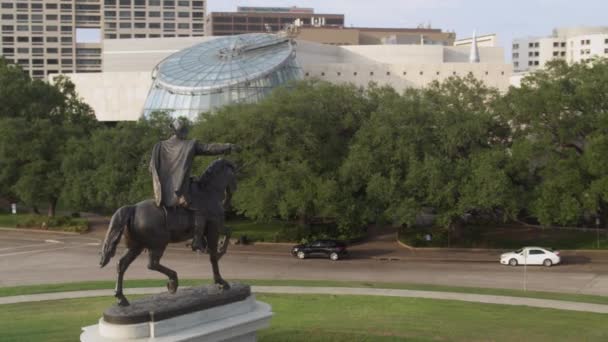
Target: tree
[442,147]
[294,143]
[110,168]
[560,115]
[34,129]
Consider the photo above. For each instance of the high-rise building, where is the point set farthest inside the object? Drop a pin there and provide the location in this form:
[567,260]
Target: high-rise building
[578,44]
[267,19]
[66,36]
[316,27]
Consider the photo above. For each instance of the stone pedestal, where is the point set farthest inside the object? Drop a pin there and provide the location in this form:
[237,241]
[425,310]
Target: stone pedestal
[195,314]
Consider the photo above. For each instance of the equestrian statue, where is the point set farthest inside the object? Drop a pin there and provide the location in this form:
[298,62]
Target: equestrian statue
[183,208]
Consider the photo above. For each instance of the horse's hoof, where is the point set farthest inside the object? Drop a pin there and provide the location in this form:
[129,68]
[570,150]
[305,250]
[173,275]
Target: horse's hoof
[222,284]
[172,286]
[122,301]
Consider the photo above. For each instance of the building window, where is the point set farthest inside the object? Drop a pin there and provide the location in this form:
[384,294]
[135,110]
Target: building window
[339,73]
[516,64]
[371,73]
[307,74]
[421,73]
[536,45]
[515,46]
[322,74]
[515,54]
[555,44]
[535,62]
[355,73]
[555,53]
[563,44]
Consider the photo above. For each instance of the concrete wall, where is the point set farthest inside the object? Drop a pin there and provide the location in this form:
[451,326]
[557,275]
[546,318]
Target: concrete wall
[115,96]
[142,54]
[119,93]
[402,76]
[334,36]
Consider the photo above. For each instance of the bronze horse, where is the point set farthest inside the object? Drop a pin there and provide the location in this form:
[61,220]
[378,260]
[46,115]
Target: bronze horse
[147,226]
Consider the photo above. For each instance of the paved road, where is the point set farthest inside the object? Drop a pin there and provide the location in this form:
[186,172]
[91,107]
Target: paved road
[34,258]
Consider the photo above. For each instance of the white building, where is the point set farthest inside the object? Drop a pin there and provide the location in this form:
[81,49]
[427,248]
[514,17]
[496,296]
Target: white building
[120,91]
[486,40]
[578,44]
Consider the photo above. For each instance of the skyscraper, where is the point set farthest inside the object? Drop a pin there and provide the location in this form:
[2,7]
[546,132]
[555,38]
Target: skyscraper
[65,36]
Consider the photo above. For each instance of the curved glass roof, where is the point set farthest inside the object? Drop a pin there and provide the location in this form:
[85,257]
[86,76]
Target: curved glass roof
[223,62]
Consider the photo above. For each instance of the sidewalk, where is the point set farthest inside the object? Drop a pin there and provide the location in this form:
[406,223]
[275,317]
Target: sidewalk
[476,298]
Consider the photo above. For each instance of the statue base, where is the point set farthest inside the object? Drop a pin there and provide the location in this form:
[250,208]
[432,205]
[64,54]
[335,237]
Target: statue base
[202,313]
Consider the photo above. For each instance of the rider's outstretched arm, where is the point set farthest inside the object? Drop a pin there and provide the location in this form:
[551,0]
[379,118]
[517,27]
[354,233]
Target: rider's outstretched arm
[213,149]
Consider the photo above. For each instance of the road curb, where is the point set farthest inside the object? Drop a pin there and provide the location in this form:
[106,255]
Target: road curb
[40,231]
[286,244]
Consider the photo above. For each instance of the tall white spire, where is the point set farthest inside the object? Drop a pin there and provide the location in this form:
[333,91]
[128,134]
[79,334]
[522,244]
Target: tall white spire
[474,56]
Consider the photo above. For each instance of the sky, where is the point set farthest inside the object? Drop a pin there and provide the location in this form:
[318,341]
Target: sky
[507,18]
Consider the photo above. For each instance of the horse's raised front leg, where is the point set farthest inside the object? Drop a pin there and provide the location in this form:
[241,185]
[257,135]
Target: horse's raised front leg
[123,264]
[154,264]
[212,233]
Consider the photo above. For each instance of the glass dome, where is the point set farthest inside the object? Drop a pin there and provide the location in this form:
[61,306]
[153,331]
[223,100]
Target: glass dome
[225,70]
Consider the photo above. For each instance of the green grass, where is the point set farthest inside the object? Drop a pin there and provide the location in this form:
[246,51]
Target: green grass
[340,318]
[96,285]
[256,231]
[506,237]
[60,223]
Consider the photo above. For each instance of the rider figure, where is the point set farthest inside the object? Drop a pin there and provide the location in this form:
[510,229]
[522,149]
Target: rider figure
[170,166]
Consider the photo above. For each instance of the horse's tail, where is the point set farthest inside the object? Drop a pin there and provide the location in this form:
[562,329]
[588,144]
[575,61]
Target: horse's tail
[119,221]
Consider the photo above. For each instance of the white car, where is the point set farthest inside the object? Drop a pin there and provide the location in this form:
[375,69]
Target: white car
[531,256]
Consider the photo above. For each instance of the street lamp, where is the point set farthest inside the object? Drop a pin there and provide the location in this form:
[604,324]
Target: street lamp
[597,230]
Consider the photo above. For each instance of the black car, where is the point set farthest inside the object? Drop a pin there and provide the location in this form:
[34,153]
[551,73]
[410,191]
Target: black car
[332,249]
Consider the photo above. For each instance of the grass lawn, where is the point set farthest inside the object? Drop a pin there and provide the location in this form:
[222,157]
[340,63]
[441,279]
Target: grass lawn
[96,285]
[255,231]
[61,223]
[340,318]
[508,237]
